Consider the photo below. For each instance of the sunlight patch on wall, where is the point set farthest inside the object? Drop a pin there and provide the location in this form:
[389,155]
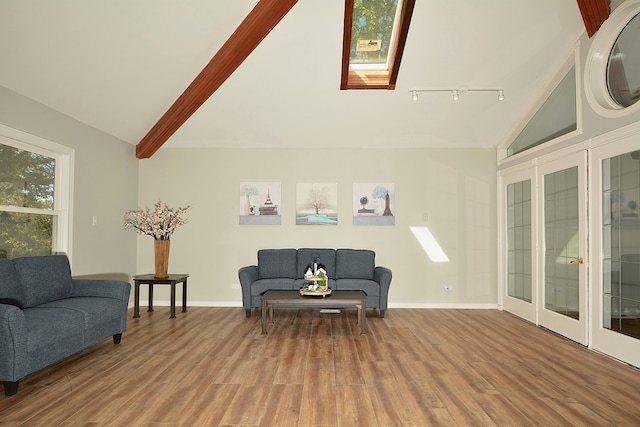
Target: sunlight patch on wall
[429,244]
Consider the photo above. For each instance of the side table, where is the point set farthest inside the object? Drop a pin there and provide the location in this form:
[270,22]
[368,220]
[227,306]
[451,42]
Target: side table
[150,279]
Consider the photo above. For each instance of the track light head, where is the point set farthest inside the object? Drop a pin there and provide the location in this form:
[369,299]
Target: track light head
[414,95]
[456,95]
[500,95]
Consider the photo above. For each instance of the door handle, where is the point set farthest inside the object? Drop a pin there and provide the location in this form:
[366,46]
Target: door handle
[577,261]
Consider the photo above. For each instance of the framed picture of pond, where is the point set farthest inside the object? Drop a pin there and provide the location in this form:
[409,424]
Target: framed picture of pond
[374,204]
[317,203]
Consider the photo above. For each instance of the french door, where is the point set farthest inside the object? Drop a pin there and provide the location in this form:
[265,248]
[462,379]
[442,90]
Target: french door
[615,294]
[562,227]
[544,269]
[520,258]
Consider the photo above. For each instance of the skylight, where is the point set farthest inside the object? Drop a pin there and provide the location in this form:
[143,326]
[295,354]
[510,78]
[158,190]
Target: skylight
[375,32]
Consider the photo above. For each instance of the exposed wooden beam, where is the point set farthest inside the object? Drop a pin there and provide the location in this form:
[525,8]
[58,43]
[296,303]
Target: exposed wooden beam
[255,27]
[594,13]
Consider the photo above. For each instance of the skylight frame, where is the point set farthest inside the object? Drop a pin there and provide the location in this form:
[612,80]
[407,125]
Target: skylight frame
[364,77]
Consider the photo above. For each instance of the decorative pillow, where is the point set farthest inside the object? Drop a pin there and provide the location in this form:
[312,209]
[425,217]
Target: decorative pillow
[44,278]
[355,264]
[275,263]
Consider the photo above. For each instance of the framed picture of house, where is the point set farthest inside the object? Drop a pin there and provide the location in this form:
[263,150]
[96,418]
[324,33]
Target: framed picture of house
[373,204]
[260,203]
[317,203]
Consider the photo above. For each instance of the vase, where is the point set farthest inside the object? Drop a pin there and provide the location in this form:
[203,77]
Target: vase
[161,251]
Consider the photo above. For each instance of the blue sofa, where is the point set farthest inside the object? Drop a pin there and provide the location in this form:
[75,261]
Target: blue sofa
[46,315]
[347,269]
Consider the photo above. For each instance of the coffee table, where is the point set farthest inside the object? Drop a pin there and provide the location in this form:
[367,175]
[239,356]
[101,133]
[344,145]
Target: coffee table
[293,299]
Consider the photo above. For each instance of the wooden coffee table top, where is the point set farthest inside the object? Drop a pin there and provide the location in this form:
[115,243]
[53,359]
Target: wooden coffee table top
[294,297]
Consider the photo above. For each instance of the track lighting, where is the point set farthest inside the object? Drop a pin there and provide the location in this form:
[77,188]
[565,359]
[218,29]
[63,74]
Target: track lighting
[457,91]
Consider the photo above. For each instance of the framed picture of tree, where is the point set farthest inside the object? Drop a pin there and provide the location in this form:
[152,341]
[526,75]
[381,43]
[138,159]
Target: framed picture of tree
[374,204]
[317,203]
[260,203]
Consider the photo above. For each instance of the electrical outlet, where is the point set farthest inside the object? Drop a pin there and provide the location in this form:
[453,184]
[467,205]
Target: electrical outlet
[235,286]
[447,288]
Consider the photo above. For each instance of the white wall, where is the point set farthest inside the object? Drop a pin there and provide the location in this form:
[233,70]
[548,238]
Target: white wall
[105,184]
[454,189]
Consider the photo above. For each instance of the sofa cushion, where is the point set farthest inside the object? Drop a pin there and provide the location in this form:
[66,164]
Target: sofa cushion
[46,326]
[370,287]
[274,263]
[324,257]
[261,286]
[94,310]
[43,278]
[355,264]
[10,289]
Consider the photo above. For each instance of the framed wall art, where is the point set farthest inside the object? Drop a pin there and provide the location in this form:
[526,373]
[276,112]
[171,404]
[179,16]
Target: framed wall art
[316,203]
[260,203]
[373,204]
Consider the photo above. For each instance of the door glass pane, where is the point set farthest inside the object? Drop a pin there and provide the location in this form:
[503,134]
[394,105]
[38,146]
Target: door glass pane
[621,244]
[562,242]
[519,240]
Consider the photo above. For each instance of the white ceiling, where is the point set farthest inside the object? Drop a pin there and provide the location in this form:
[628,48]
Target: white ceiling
[118,65]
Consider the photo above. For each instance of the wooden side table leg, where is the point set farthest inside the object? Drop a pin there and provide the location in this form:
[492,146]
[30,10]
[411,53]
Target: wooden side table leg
[136,299]
[173,300]
[184,296]
[150,297]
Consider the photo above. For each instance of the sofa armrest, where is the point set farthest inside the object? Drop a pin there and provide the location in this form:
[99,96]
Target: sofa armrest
[247,276]
[13,343]
[382,275]
[101,288]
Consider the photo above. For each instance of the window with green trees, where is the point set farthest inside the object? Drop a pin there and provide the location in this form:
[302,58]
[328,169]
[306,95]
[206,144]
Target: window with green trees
[28,218]
[375,32]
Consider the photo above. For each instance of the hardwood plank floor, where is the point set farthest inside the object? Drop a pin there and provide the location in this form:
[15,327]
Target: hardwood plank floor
[415,367]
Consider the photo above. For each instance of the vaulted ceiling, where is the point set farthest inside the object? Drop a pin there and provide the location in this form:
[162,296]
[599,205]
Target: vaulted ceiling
[120,65]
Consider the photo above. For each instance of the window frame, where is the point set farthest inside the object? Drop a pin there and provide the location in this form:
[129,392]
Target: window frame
[596,68]
[375,79]
[63,186]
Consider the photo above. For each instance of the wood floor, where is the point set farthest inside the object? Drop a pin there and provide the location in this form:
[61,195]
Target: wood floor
[415,367]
